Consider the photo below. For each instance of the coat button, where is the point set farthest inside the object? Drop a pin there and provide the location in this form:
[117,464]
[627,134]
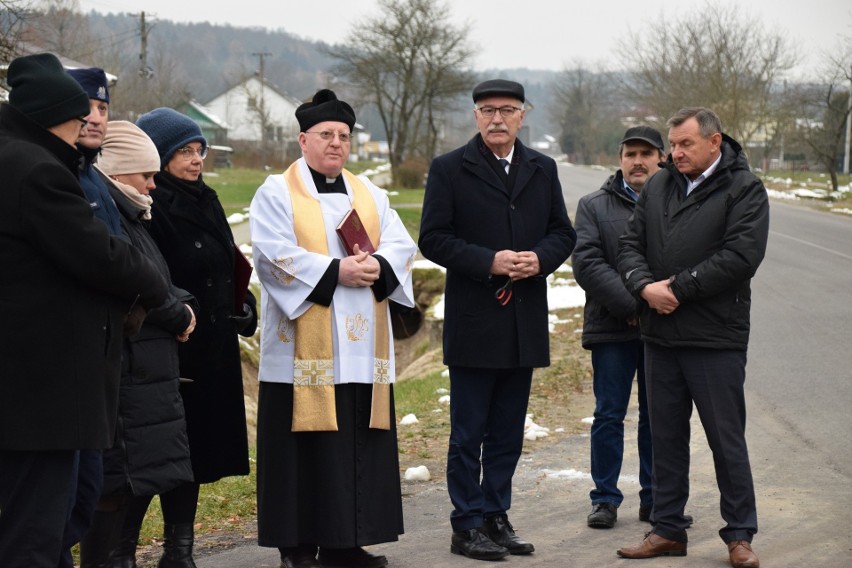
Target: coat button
[198,244]
[209,282]
[213,318]
[512,206]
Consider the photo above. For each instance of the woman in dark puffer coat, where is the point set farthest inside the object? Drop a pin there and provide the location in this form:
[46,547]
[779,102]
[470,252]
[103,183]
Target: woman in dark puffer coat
[191,230]
[151,451]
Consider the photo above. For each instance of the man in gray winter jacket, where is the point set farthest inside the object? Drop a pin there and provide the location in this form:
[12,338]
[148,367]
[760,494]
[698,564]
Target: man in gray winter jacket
[611,323]
[694,242]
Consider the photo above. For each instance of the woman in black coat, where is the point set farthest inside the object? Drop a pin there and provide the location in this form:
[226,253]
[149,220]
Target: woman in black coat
[151,450]
[191,230]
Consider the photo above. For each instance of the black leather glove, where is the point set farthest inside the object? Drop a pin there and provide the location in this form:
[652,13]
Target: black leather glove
[242,322]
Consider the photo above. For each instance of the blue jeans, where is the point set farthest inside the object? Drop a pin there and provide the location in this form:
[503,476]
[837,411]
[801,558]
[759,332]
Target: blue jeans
[615,364]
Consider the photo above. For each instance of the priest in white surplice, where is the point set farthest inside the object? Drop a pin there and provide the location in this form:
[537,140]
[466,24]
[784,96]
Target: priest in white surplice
[327,463]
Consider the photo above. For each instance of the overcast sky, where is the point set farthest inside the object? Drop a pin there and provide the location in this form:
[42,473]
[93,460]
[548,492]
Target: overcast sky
[538,34]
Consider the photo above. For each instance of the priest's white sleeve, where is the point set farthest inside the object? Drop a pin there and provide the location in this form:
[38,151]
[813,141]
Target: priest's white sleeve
[288,272]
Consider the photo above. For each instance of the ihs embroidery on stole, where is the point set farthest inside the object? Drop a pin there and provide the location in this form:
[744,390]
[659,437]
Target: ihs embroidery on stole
[357,327]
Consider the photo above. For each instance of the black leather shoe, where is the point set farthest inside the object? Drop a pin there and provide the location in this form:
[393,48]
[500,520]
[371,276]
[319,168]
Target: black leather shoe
[303,556]
[603,516]
[350,558]
[474,544]
[499,530]
[645,514]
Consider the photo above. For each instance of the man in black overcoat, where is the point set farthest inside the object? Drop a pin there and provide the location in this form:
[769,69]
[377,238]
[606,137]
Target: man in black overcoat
[65,288]
[495,217]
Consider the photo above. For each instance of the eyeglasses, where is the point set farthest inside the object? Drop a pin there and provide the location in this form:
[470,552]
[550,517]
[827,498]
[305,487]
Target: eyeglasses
[329,135]
[187,152]
[83,121]
[505,111]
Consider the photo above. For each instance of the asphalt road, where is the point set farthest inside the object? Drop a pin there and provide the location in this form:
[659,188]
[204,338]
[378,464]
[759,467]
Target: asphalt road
[799,389]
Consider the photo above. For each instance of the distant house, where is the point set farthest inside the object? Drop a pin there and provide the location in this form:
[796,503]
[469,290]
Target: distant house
[258,112]
[212,126]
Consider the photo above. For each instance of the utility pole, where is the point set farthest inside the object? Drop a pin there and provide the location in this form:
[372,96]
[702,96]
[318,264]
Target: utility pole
[848,126]
[144,70]
[261,55]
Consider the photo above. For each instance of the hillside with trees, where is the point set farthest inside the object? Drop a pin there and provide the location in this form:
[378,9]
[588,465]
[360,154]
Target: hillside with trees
[419,99]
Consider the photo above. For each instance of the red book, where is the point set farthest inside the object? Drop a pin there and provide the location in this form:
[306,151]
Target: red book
[242,274]
[352,232]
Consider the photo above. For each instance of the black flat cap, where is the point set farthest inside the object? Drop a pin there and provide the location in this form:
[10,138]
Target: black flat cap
[645,134]
[498,88]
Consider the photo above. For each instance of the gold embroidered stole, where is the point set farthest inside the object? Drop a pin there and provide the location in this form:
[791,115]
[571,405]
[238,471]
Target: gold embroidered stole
[313,367]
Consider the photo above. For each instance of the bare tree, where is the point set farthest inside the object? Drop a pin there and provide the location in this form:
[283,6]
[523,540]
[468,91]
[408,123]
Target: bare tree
[59,26]
[823,112]
[136,92]
[409,62]
[585,111]
[716,57]
[11,24]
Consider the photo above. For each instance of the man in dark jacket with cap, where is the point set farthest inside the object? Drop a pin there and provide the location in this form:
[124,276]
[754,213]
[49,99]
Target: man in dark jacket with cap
[611,323]
[494,216]
[65,289]
[694,242]
[94,82]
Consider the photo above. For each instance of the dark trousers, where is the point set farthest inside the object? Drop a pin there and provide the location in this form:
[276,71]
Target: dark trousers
[487,412]
[34,494]
[713,380]
[87,480]
[615,365]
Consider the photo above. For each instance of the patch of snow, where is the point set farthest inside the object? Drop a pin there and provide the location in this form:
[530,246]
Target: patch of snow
[567,474]
[533,431]
[419,473]
[237,218]
[408,419]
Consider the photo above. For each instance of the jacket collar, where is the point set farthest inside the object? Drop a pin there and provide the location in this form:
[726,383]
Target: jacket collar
[190,201]
[21,126]
[475,161]
[615,185]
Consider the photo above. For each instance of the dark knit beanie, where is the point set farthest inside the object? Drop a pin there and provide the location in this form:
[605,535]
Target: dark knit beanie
[42,90]
[324,107]
[94,82]
[170,131]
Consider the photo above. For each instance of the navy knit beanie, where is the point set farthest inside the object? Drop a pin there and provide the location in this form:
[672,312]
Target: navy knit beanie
[94,82]
[42,90]
[170,131]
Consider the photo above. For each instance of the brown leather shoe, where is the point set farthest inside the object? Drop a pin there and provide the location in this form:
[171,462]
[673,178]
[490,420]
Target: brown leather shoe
[742,556]
[654,545]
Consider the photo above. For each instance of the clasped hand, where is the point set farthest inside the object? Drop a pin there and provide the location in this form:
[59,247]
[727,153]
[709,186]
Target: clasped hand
[660,297]
[515,265]
[358,270]
[184,336]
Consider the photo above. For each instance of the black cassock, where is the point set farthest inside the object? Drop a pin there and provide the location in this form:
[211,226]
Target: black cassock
[332,489]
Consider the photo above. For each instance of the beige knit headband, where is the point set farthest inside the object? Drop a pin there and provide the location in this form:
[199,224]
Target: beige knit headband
[126,149]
